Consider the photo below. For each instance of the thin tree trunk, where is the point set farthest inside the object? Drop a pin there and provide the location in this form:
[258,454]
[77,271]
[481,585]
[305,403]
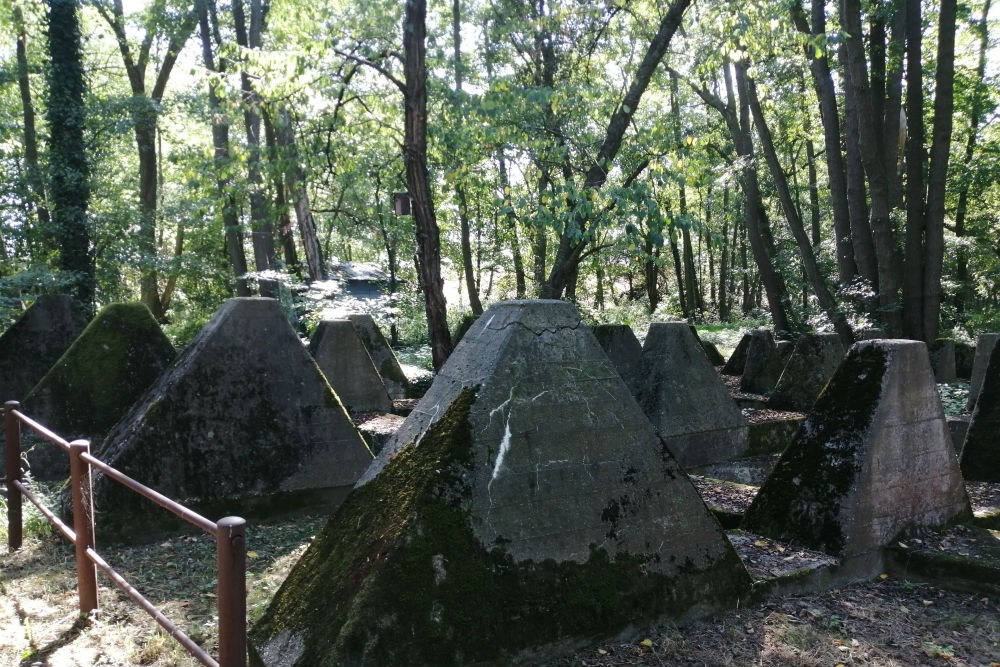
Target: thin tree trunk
[521,289]
[463,205]
[979,107]
[938,170]
[221,157]
[144,112]
[415,155]
[913,275]
[571,251]
[723,302]
[826,300]
[295,182]
[262,236]
[285,231]
[857,80]
[36,182]
[679,272]
[758,230]
[819,65]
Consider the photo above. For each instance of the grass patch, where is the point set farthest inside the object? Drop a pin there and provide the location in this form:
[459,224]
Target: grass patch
[39,619]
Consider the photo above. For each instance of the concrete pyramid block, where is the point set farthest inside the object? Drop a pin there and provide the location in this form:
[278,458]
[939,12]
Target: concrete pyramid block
[738,359]
[686,400]
[526,505]
[813,362]
[94,383]
[382,355]
[965,355]
[712,352]
[873,458]
[35,341]
[984,352]
[981,451]
[623,349]
[344,360]
[244,414]
[764,363]
[942,353]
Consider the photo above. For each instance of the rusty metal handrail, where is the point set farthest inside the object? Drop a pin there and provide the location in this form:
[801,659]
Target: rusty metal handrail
[229,534]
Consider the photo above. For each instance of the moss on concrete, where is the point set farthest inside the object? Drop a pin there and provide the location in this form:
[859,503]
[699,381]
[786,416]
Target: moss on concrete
[398,577]
[802,499]
[117,356]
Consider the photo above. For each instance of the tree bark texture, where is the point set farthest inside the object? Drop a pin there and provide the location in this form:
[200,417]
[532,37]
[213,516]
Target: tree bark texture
[221,156]
[36,182]
[822,292]
[69,172]
[415,157]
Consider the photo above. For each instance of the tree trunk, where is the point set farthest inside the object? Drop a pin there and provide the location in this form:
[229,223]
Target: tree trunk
[758,231]
[69,173]
[723,298]
[262,235]
[463,205]
[857,81]
[679,272]
[144,110]
[977,112]
[819,65]
[295,183]
[938,171]
[36,182]
[415,156]
[285,232]
[221,157]
[511,219]
[826,300]
[913,275]
[574,239]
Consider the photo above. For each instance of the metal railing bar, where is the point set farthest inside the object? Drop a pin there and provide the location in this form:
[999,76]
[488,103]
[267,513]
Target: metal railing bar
[198,652]
[158,498]
[67,532]
[51,435]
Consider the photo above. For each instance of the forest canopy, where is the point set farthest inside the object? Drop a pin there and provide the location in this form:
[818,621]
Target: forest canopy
[827,165]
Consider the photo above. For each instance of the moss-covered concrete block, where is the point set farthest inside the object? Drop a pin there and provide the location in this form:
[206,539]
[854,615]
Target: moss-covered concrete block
[942,353]
[738,359]
[773,435]
[873,458]
[965,355]
[92,385]
[985,345]
[686,400]
[981,451]
[623,349]
[34,342]
[244,413]
[382,355]
[527,506]
[813,362]
[344,360]
[763,365]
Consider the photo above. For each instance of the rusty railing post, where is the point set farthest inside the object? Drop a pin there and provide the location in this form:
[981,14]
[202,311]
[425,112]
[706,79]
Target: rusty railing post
[231,550]
[12,431]
[83,524]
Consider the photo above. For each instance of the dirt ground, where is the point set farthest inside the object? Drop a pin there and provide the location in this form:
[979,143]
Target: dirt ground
[888,622]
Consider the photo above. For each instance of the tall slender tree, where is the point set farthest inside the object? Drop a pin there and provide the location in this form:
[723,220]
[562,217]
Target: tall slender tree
[145,106]
[69,172]
[418,181]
